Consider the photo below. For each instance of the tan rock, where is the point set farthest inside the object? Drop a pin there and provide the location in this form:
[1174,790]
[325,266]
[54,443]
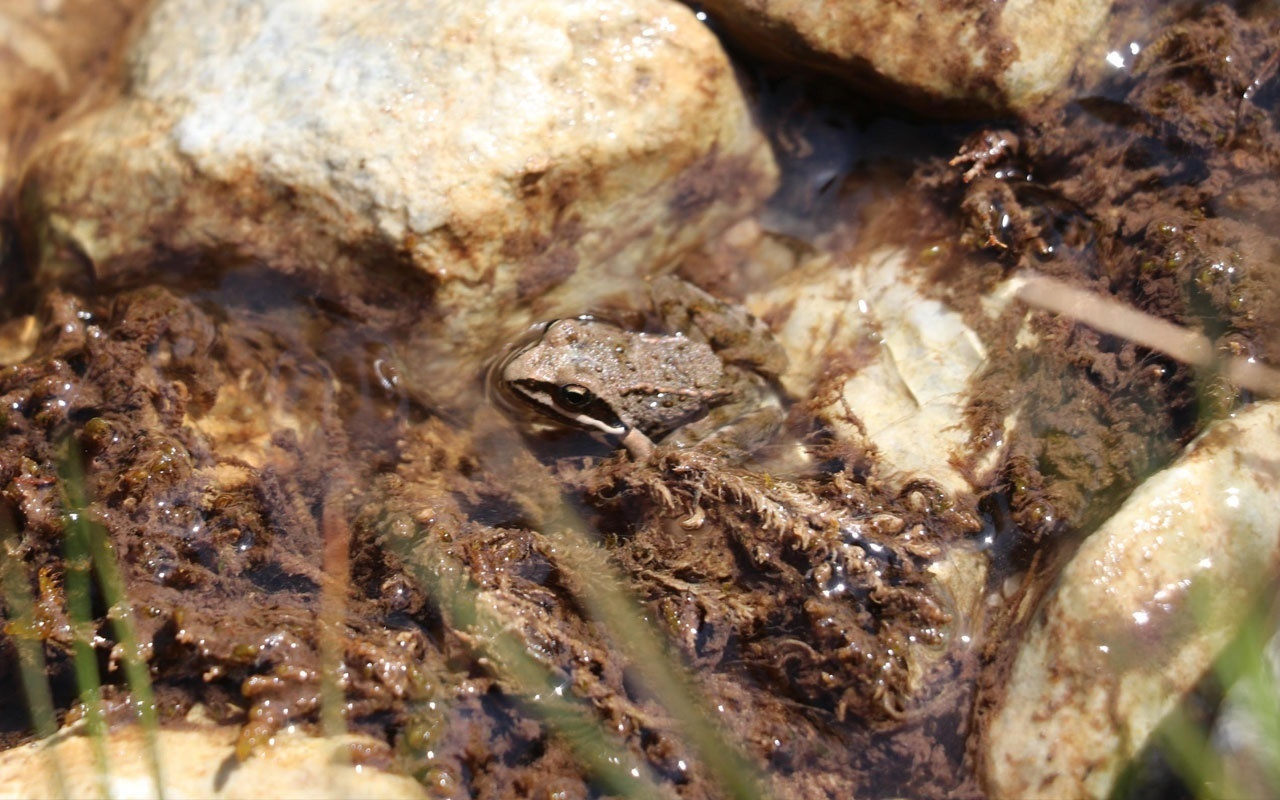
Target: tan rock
[199,761]
[49,52]
[453,161]
[1139,614]
[17,339]
[884,365]
[936,55]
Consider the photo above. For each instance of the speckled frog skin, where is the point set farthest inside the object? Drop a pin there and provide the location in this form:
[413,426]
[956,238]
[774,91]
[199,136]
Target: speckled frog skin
[707,381]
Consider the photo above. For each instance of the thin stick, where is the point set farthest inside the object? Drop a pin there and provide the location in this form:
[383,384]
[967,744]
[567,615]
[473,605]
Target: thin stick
[1111,316]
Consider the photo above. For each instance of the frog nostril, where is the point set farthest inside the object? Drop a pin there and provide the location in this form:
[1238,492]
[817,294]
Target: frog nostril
[574,396]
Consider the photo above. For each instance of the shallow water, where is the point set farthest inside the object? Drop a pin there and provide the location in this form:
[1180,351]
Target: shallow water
[254,444]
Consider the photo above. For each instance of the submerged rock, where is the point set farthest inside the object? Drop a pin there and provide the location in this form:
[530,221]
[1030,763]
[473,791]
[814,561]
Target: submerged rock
[199,761]
[878,363]
[442,158]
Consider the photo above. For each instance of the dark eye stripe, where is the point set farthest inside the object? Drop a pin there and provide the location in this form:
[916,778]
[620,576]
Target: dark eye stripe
[534,396]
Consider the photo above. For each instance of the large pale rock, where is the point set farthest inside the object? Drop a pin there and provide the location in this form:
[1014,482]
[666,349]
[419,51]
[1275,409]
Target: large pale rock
[459,163]
[1139,614]
[937,55]
[199,761]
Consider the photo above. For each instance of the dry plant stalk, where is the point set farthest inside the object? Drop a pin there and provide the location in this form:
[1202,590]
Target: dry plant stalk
[1111,316]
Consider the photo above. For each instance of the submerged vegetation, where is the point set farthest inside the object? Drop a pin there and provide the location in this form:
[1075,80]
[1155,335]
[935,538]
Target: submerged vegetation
[219,498]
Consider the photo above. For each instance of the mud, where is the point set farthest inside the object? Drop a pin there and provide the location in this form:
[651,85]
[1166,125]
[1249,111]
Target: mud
[286,513]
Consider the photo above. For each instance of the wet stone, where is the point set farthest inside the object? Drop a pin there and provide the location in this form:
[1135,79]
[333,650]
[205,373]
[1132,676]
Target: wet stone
[393,164]
[938,56]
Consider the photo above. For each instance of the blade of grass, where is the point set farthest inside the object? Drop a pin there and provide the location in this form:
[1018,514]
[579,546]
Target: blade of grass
[601,589]
[333,592]
[1186,738]
[23,632]
[88,546]
[83,657]
[600,751]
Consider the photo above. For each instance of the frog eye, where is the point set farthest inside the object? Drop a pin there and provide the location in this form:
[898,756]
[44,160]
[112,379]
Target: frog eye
[574,396]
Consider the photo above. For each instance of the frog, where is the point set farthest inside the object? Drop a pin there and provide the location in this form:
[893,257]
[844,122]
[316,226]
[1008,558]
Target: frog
[707,378]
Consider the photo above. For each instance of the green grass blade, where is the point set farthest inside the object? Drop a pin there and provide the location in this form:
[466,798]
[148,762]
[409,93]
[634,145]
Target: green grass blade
[25,635]
[88,547]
